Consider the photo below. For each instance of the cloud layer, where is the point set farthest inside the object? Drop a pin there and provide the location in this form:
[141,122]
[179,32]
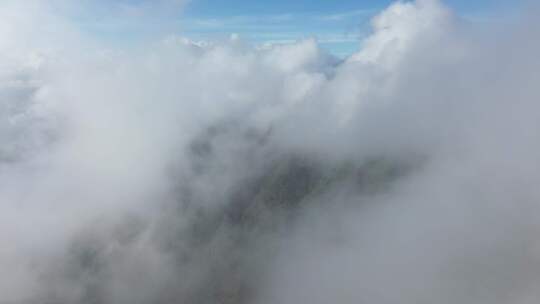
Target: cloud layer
[219,173]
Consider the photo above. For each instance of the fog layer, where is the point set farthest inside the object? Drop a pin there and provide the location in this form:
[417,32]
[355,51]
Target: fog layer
[181,172]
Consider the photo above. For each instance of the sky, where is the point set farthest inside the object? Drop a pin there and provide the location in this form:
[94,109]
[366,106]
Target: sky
[338,25]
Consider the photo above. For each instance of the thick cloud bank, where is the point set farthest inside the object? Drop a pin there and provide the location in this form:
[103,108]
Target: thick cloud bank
[176,172]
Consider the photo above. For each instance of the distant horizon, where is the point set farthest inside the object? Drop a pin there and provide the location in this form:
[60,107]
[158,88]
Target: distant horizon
[339,26]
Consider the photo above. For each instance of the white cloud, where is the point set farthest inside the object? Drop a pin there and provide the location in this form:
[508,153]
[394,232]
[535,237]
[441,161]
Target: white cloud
[401,25]
[347,15]
[109,161]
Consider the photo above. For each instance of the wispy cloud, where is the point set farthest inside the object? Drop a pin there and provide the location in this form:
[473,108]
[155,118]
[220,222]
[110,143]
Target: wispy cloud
[305,18]
[331,29]
[347,15]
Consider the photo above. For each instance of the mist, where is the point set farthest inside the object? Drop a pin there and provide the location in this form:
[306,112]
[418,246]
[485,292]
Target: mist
[165,170]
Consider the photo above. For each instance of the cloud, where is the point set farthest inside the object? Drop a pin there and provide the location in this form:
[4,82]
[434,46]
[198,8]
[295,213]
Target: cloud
[180,171]
[347,15]
[343,28]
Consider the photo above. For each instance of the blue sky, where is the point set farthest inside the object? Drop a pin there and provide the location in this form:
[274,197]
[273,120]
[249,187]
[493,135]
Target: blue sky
[337,24]
[242,7]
